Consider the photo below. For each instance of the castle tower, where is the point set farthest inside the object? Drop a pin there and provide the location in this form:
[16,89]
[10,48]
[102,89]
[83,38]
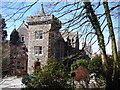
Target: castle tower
[43,30]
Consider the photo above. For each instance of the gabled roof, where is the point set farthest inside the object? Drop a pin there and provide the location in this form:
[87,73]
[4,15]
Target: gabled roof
[23,25]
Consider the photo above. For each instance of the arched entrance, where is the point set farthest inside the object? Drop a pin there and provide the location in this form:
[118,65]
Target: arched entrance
[37,66]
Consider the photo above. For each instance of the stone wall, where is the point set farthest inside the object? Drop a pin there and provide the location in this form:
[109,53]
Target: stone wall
[33,42]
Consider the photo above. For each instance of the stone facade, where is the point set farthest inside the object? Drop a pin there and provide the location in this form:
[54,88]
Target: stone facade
[18,53]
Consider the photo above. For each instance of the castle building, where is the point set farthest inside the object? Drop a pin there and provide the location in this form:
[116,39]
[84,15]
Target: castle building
[38,40]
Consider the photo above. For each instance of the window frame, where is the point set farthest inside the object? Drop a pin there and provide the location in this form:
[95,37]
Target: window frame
[39,35]
[22,38]
[38,50]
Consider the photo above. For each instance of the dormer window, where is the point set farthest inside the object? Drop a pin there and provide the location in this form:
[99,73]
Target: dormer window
[38,34]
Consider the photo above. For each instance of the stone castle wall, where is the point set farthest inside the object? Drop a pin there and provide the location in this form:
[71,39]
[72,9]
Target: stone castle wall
[33,42]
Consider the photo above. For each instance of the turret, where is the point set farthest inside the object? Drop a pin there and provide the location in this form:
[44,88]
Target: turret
[41,12]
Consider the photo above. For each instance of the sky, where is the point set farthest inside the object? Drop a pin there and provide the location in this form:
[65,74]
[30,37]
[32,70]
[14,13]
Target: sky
[11,24]
[56,0]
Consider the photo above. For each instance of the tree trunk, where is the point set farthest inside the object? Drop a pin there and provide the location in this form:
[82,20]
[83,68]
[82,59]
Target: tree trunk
[114,47]
[95,23]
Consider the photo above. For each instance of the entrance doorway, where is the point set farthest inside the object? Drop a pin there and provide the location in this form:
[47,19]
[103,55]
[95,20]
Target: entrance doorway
[37,66]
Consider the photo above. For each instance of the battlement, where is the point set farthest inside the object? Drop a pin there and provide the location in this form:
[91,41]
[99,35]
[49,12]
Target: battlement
[31,19]
[47,19]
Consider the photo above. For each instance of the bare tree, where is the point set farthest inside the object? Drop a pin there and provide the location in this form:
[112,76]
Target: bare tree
[114,46]
[85,14]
